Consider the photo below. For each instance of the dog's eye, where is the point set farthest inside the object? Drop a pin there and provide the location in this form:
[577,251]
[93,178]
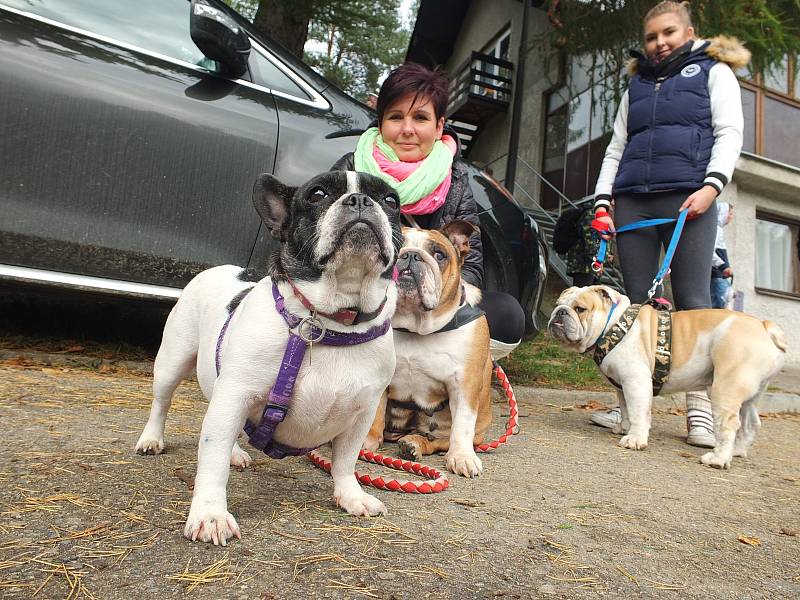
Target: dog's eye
[579,309]
[391,201]
[317,194]
[439,255]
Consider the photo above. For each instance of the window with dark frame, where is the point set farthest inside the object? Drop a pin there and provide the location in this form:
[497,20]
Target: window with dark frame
[771,103]
[777,254]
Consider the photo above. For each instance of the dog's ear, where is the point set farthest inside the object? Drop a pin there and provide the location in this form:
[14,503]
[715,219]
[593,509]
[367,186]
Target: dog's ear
[459,232]
[271,199]
[606,293]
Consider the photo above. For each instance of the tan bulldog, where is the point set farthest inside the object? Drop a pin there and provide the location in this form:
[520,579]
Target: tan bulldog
[439,397]
[731,354]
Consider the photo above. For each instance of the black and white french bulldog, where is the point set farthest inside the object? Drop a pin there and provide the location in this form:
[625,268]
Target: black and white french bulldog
[340,235]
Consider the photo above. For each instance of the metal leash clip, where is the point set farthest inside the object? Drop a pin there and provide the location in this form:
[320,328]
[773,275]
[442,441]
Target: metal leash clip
[652,291]
[657,282]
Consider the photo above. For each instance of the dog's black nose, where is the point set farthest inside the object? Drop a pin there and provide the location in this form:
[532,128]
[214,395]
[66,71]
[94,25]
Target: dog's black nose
[412,255]
[358,202]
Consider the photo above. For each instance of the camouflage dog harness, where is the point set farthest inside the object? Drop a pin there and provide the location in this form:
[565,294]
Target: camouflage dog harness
[663,343]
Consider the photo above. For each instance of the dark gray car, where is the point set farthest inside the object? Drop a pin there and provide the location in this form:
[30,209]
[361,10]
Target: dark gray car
[128,154]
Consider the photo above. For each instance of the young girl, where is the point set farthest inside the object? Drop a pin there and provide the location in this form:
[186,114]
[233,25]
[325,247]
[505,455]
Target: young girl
[677,135]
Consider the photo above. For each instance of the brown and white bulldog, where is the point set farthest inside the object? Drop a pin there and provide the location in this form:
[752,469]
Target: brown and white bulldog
[731,354]
[439,397]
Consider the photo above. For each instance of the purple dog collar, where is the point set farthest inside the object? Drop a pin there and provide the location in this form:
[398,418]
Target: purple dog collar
[280,396]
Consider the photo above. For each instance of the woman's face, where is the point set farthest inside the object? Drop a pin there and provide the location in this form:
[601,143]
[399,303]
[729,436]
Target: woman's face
[411,130]
[664,34]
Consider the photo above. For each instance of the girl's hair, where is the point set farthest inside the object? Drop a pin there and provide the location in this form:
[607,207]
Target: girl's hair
[417,80]
[682,9]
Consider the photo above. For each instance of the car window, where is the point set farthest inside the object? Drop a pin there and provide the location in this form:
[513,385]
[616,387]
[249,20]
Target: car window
[268,74]
[160,26]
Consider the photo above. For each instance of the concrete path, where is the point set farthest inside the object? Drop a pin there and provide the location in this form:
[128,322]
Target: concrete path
[560,512]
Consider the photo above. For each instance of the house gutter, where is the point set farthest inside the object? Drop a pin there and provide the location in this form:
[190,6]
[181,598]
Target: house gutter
[516,110]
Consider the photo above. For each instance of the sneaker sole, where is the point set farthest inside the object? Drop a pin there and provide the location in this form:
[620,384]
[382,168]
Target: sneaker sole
[701,441]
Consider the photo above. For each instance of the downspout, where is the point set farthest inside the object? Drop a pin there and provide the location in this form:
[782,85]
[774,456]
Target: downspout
[516,109]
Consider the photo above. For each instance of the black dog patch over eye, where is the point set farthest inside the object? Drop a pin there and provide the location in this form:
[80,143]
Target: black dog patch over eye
[317,194]
[391,201]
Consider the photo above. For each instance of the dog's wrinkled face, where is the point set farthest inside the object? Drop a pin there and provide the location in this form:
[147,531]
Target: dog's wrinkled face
[429,265]
[337,218]
[581,315]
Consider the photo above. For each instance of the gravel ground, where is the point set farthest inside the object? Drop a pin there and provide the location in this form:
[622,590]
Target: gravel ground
[560,512]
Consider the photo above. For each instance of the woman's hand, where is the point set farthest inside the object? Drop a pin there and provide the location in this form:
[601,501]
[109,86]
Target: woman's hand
[603,217]
[699,202]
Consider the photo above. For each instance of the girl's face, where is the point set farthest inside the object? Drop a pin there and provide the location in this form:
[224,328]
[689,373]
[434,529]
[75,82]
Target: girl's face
[411,130]
[664,34]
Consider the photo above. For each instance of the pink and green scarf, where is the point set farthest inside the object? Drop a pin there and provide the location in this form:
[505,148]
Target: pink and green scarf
[422,185]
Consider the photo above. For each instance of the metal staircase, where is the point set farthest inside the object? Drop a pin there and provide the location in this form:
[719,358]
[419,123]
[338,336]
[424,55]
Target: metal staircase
[546,219]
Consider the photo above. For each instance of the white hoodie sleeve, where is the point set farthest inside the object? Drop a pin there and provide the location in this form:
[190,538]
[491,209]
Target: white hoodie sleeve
[728,123]
[608,170]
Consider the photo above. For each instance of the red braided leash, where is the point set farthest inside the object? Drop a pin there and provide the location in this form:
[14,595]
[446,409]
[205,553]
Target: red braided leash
[512,425]
[438,482]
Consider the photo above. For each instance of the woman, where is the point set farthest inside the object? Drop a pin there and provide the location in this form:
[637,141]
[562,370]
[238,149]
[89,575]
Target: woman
[677,135]
[413,150]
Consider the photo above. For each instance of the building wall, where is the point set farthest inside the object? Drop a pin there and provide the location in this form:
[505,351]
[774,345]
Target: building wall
[762,184]
[484,20]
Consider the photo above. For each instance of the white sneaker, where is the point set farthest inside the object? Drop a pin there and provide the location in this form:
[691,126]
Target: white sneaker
[701,436]
[608,418]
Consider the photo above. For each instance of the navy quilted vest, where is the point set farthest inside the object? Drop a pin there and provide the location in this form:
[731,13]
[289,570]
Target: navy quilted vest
[670,134]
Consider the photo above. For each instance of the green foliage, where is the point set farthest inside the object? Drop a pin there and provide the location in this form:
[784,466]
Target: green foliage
[359,39]
[769,28]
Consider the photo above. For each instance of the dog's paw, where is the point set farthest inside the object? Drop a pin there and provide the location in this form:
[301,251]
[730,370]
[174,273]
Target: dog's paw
[464,463]
[211,526]
[150,444]
[633,442]
[372,443]
[740,450]
[239,458]
[408,450]
[712,459]
[361,504]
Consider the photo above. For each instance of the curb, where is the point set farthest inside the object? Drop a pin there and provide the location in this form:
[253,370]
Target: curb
[769,403]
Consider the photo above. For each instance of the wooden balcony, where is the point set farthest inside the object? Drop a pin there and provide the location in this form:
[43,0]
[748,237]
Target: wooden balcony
[480,88]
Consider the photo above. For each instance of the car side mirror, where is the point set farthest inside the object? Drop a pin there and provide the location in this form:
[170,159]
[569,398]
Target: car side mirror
[219,37]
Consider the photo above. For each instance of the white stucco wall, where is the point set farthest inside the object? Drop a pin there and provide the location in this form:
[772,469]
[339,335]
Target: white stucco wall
[760,184]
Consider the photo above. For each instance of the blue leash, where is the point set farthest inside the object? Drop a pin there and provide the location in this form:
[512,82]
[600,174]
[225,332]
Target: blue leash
[597,263]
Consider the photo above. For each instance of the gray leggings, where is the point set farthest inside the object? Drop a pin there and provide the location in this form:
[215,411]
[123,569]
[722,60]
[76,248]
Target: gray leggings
[639,250]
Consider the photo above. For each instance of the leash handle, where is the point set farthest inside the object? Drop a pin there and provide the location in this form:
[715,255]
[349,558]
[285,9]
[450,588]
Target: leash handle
[599,227]
[599,259]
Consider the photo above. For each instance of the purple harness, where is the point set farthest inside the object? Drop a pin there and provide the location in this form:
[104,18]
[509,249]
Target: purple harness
[310,330]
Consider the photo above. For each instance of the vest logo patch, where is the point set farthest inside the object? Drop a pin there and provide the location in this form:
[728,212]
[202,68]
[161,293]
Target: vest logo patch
[690,70]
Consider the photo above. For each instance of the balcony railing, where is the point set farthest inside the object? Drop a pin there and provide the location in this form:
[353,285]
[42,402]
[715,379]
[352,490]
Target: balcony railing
[480,88]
